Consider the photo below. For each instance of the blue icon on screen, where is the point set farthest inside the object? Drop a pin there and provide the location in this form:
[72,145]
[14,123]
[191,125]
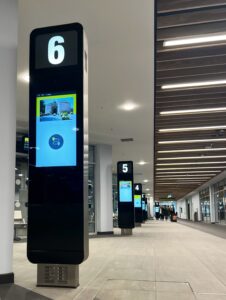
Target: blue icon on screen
[56,141]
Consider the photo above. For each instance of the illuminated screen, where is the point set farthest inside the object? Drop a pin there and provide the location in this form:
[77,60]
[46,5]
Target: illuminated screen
[125,191]
[137,201]
[26,143]
[143,205]
[56,123]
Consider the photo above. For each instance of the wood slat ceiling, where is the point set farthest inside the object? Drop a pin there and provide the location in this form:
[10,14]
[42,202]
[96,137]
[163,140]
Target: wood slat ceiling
[179,19]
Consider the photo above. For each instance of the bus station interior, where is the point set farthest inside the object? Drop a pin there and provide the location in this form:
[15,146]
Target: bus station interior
[157,87]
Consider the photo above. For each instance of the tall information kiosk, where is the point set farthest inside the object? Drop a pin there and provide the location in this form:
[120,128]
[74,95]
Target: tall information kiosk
[126,212]
[138,204]
[58,153]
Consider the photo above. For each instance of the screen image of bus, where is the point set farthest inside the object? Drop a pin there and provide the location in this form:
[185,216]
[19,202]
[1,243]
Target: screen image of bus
[137,201]
[56,130]
[125,191]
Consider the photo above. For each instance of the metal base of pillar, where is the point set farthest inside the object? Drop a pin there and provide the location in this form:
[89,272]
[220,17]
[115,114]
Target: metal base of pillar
[138,224]
[126,231]
[58,275]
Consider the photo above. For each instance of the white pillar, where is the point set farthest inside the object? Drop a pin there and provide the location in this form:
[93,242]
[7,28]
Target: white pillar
[212,205]
[7,159]
[103,189]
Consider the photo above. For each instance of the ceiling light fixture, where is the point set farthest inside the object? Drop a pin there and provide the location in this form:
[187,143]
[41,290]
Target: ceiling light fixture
[190,172]
[176,183]
[195,40]
[183,129]
[128,106]
[193,84]
[191,157]
[24,77]
[192,111]
[142,163]
[192,150]
[192,141]
[145,180]
[192,163]
[190,168]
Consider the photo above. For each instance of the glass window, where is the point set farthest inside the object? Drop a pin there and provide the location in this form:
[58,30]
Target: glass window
[204,196]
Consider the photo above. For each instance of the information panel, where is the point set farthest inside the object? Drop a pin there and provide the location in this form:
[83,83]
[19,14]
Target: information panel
[138,202]
[125,194]
[58,146]
[125,191]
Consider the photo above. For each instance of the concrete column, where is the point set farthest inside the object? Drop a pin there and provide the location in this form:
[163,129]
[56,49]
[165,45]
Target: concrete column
[7,159]
[212,205]
[103,189]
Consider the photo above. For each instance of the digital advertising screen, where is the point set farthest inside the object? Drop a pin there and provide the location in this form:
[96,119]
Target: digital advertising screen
[125,191]
[143,205]
[56,130]
[137,201]
[26,143]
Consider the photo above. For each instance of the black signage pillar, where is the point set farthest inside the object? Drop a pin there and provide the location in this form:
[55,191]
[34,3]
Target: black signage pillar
[58,146]
[143,208]
[125,195]
[138,203]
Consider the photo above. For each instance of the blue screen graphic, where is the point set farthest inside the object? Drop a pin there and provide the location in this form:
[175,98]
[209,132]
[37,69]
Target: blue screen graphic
[125,191]
[56,127]
[137,201]
[143,205]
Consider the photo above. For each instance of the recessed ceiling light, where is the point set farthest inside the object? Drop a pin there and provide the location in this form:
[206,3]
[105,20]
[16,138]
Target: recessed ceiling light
[20,175]
[192,111]
[192,150]
[129,105]
[193,84]
[142,163]
[192,141]
[183,129]
[195,40]
[191,157]
[148,194]
[191,168]
[192,163]
[147,189]
[24,77]
[145,180]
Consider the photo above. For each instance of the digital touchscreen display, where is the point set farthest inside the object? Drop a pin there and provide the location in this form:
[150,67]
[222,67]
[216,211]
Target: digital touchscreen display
[137,201]
[125,191]
[56,130]
[143,205]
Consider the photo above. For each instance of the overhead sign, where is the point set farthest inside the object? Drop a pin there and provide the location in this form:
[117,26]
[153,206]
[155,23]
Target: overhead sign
[58,188]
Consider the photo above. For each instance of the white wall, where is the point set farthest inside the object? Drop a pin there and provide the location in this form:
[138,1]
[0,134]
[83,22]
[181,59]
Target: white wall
[195,206]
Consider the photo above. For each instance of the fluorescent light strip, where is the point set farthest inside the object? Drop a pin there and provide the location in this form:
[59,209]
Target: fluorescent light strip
[195,40]
[189,172]
[186,175]
[193,84]
[176,183]
[192,163]
[190,168]
[191,141]
[191,157]
[192,150]
[184,178]
[192,111]
[184,129]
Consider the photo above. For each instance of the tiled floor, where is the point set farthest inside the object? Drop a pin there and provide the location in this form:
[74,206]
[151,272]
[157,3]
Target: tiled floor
[161,261]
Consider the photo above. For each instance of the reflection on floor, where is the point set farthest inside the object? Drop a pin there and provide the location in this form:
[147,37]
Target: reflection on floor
[161,261]
[15,292]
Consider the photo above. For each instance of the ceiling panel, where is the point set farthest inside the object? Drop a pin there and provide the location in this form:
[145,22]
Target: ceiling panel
[183,159]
